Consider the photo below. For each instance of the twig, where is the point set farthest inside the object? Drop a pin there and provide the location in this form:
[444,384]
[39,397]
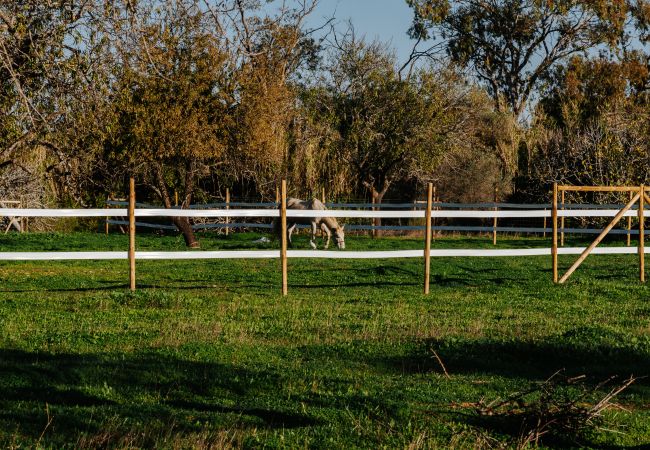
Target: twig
[444,369]
[50,418]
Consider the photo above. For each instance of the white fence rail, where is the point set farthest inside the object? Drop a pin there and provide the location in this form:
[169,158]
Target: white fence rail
[238,254]
[471,214]
[541,228]
[132,255]
[321,254]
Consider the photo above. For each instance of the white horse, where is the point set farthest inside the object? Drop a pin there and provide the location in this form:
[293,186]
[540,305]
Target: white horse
[329,225]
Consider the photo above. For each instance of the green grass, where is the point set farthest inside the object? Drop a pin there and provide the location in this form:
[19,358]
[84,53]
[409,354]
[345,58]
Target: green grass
[207,353]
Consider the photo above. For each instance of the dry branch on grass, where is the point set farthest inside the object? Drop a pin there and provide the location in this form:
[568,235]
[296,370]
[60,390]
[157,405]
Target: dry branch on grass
[559,407]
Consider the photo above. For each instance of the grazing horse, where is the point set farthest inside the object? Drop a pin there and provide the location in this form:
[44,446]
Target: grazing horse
[329,225]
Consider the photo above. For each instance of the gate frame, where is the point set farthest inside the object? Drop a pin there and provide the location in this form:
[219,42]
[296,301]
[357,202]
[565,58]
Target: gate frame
[637,193]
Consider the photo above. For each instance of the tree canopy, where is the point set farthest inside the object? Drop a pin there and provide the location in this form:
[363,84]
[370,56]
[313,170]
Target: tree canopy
[510,45]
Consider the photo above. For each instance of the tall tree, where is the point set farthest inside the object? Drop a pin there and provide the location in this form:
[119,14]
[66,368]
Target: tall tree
[39,66]
[390,129]
[269,52]
[592,124]
[511,44]
[169,101]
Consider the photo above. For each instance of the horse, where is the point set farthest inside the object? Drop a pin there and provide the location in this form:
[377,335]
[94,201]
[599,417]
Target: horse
[328,225]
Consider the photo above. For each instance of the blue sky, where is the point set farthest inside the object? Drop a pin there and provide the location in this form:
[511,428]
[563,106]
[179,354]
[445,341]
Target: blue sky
[385,20]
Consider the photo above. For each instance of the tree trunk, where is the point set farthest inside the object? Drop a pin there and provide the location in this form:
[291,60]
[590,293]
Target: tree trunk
[184,226]
[377,197]
[182,223]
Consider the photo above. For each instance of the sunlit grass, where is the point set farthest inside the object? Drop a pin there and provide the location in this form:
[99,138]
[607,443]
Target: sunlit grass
[209,352]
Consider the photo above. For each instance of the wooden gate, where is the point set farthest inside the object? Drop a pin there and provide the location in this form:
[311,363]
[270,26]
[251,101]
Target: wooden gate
[636,194]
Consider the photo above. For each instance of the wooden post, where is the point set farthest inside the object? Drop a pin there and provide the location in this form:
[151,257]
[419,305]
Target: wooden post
[106,222]
[24,228]
[435,200]
[227,207]
[283,227]
[427,240]
[600,237]
[132,234]
[494,227]
[629,225]
[23,220]
[562,223]
[554,246]
[641,235]
[373,232]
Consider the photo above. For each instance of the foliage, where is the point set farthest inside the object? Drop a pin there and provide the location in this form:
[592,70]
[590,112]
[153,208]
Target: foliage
[38,73]
[593,125]
[511,44]
[197,96]
[383,128]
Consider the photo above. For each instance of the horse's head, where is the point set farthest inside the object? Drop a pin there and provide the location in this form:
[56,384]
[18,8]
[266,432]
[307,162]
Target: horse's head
[339,236]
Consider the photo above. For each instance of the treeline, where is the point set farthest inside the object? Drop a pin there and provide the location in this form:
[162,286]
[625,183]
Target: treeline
[195,96]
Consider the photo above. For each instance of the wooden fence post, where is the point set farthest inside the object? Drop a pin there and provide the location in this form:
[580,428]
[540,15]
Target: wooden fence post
[642,235]
[427,242]
[283,227]
[494,228]
[562,223]
[24,224]
[107,218]
[373,232]
[435,201]
[629,224]
[132,234]
[554,246]
[23,220]
[227,207]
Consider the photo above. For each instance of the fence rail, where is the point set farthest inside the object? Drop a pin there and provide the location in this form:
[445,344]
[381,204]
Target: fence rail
[162,212]
[283,214]
[318,254]
[413,207]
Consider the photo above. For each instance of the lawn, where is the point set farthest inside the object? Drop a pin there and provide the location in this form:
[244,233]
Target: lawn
[207,353]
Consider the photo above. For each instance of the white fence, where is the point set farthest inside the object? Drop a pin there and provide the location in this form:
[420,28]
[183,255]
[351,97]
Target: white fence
[417,206]
[336,254]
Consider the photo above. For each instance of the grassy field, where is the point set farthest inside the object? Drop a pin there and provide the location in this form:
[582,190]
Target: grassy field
[207,353]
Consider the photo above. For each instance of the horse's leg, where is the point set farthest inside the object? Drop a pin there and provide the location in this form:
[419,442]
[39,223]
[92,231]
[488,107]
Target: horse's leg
[326,230]
[289,231]
[312,242]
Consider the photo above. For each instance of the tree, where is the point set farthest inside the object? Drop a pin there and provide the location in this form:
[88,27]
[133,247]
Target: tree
[39,66]
[510,45]
[169,102]
[387,129]
[592,124]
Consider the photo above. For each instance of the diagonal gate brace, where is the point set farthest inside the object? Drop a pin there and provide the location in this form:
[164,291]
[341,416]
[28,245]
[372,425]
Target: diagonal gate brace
[600,237]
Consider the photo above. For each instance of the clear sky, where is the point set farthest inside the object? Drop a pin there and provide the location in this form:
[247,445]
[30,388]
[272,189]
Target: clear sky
[385,20]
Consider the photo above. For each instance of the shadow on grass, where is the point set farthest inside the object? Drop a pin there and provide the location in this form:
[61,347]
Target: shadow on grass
[594,351]
[83,393]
